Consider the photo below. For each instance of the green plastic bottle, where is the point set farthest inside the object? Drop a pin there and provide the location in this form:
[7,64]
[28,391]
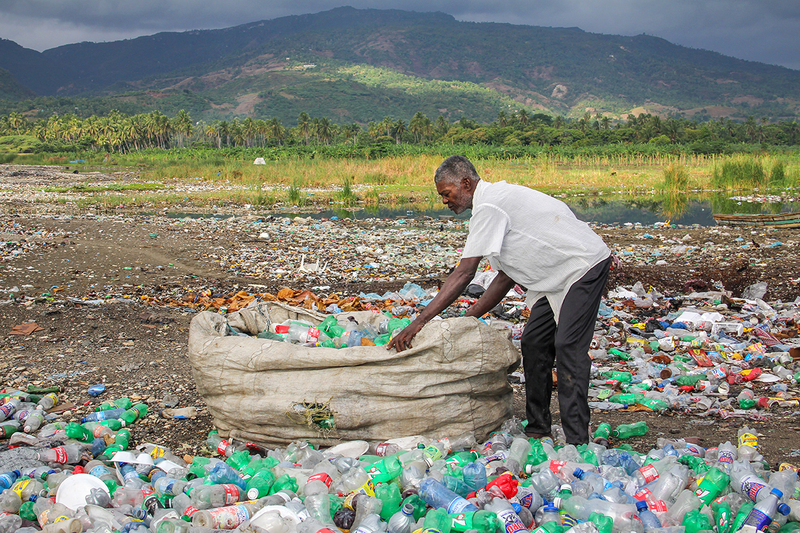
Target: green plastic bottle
[626,431]
[389,494]
[695,521]
[618,375]
[385,470]
[722,516]
[746,403]
[626,398]
[602,433]
[741,516]
[537,454]
[134,413]
[437,520]
[259,484]
[713,483]
[284,482]
[417,503]
[654,404]
[588,455]
[689,381]
[604,523]
[120,403]
[481,521]
[27,512]
[697,464]
[461,458]
[78,432]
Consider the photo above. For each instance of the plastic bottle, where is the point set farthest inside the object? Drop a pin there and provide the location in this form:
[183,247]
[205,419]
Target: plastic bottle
[392,500]
[649,520]
[67,454]
[222,473]
[403,520]
[34,421]
[763,512]
[650,472]
[385,470]
[120,403]
[47,401]
[229,517]
[437,495]
[103,415]
[723,517]
[7,409]
[518,455]
[714,481]
[626,431]
[474,475]
[602,434]
[507,516]
[370,524]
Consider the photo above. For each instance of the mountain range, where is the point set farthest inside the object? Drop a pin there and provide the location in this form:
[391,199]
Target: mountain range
[359,65]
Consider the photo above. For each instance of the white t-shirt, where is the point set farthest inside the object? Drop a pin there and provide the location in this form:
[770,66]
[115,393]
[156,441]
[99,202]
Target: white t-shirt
[532,237]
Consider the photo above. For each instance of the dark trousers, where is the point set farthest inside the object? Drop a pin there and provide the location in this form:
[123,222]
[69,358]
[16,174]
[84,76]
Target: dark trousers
[567,344]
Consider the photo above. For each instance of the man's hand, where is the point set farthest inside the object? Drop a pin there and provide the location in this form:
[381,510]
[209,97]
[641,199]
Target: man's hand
[402,340]
[452,288]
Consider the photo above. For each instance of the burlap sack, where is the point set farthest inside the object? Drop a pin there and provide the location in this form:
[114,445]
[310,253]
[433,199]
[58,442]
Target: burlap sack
[452,381]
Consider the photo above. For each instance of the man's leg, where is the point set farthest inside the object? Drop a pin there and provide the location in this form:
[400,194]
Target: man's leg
[572,340]
[538,353]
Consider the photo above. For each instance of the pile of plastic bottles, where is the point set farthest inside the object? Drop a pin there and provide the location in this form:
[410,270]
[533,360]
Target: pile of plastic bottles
[508,484]
[336,331]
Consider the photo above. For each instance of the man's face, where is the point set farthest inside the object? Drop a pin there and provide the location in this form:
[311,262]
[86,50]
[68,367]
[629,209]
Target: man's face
[456,194]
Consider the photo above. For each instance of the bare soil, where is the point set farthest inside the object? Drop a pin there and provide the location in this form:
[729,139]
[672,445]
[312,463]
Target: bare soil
[107,292]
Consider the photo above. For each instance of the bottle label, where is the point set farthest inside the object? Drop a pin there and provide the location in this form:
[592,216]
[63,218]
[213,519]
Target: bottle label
[748,439]
[169,487]
[157,452]
[321,476]
[190,511]
[222,446]
[511,521]
[750,486]
[61,454]
[367,488]
[525,500]
[228,517]
[231,493]
[556,466]
[20,485]
[459,505]
[649,473]
[757,519]
[380,449]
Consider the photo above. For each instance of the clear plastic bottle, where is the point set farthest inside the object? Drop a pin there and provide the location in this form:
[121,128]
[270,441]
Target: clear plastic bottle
[210,496]
[34,421]
[437,495]
[228,517]
[403,520]
[649,520]
[474,475]
[509,519]
[764,512]
[518,455]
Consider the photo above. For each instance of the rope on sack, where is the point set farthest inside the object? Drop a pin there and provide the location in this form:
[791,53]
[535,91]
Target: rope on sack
[315,415]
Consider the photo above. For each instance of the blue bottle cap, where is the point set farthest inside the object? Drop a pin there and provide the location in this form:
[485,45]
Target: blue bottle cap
[578,472]
[641,506]
[517,507]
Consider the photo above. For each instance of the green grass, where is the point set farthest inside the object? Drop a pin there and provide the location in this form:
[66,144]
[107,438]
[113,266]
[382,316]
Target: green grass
[347,196]
[676,178]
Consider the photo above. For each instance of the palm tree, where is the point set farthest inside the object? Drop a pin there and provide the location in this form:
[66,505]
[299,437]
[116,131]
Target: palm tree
[304,125]
[182,125]
[399,130]
[523,117]
[325,130]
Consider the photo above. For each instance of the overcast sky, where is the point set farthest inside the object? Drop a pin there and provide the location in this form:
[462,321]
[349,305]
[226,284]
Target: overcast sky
[757,30]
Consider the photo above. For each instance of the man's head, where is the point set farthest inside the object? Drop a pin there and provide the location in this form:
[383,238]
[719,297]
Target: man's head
[455,180]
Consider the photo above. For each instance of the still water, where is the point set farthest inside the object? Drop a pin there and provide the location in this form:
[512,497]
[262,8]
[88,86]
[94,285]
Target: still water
[602,210]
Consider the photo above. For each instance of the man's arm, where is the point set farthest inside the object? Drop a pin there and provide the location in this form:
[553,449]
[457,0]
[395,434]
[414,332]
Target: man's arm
[499,287]
[452,288]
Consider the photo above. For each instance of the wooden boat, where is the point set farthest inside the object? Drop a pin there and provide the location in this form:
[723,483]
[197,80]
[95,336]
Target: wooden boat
[779,220]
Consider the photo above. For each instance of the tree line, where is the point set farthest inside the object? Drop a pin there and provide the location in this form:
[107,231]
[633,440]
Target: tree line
[120,132]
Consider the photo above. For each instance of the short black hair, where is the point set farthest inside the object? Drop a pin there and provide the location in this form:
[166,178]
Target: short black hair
[456,167]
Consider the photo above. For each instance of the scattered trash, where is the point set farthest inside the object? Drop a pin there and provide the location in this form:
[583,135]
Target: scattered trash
[25,329]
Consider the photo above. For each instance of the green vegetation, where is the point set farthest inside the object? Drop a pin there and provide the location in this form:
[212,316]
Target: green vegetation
[744,171]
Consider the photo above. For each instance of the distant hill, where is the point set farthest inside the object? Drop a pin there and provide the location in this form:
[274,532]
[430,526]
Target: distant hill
[11,89]
[360,65]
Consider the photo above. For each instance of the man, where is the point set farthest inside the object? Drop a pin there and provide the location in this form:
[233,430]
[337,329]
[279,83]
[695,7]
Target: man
[533,240]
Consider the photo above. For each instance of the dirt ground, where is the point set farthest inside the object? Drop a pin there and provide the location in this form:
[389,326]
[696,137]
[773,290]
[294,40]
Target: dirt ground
[100,287]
